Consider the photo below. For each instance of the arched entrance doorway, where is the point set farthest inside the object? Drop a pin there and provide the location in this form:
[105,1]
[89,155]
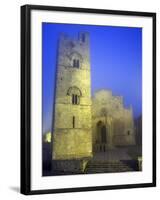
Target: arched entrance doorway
[103,134]
[101,142]
[103,139]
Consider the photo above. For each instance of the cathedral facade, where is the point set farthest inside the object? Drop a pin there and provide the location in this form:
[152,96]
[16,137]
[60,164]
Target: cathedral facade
[84,125]
[112,124]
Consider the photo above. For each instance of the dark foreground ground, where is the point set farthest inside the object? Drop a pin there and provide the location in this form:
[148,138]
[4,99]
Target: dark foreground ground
[112,161]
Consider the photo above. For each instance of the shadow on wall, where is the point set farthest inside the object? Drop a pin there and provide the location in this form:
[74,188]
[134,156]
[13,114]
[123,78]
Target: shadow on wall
[15,189]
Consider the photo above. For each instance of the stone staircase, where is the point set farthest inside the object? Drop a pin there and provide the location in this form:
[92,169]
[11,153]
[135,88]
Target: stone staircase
[107,167]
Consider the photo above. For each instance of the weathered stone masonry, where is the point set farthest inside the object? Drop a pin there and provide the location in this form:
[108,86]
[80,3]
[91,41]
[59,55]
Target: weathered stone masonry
[72,135]
[83,126]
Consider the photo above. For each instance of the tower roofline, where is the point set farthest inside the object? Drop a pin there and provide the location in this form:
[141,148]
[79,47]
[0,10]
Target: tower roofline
[77,36]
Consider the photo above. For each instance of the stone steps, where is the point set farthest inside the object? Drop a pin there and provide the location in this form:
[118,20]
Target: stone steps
[107,166]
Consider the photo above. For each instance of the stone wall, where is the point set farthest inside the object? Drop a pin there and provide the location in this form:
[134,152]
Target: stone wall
[118,121]
[82,125]
[72,135]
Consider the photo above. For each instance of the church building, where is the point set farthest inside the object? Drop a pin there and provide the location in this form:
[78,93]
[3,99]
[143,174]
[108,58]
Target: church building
[84,125]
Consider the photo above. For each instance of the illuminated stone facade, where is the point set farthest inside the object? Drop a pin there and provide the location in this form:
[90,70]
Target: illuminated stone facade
[112,124]
[72,134]
[81,125]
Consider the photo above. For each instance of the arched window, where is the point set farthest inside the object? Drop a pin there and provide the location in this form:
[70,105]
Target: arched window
[75,94]
[75,99]
[75,63]
[76,59]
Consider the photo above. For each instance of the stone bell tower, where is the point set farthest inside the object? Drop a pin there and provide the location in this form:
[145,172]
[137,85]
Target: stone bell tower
[72,136]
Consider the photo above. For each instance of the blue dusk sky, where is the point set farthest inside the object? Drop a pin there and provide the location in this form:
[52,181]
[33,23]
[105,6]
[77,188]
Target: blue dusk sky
[116,63]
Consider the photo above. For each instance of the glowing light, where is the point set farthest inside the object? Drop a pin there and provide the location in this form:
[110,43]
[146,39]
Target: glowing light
[47,137]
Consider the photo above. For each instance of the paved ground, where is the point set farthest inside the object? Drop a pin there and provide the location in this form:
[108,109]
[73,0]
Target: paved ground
[113,154]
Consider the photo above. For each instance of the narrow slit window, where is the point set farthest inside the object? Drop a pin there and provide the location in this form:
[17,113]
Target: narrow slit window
[72,98]
[73,121]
